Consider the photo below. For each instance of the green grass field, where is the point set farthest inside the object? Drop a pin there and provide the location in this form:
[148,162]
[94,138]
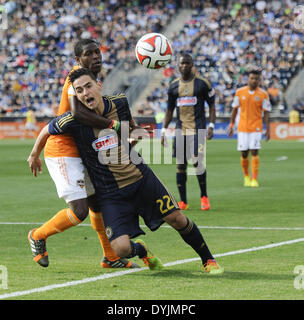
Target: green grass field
[255,233]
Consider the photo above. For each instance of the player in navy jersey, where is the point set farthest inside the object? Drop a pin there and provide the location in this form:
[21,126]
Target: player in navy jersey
[188,95]
[125,190]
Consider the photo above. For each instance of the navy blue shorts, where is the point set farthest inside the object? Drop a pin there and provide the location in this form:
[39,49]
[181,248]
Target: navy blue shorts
[147,198]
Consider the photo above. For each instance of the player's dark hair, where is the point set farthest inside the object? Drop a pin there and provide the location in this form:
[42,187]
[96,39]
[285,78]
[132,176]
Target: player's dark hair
[254,71]
[186,55]
[78,48]
[79,73]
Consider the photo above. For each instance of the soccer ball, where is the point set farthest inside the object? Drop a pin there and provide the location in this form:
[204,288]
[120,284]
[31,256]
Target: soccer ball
[153,50]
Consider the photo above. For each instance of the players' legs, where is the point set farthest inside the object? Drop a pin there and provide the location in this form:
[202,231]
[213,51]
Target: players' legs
[243,147]
[254,146]
[181,181]
[122,245]
[255,166]
[190,233]
[73,186]
[80,208]
[98,225]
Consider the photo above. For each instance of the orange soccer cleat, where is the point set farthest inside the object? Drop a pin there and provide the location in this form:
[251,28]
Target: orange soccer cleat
[205,204]
[212,267]
[183,206]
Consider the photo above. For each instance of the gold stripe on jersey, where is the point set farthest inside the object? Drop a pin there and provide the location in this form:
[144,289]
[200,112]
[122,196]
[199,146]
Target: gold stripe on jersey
[65,120]
[186,113]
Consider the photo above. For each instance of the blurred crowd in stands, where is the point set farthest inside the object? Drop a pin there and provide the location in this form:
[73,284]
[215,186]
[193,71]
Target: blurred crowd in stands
[224,37]
[36,50]
[231,38]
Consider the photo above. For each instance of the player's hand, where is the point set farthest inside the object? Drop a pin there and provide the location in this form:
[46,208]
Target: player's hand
[163,140]
[139,133]
[230,132]
[210,133]
[267,135]
[35,164]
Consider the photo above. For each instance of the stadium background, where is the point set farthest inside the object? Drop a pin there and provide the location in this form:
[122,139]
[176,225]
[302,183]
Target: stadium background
[226,38]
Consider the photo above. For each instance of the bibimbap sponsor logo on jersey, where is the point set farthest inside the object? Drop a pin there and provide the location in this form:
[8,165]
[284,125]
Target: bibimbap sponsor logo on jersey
[186,101]
[106,142]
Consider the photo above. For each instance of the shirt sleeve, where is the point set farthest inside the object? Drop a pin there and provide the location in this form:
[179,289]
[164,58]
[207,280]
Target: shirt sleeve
[61,124]
[266,104]
[210,93]
[171,99]
[236,102]
[71,91]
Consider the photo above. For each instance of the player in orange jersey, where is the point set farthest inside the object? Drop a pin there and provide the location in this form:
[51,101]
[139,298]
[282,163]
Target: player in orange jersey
[253,102]
[30,128]
[67,170]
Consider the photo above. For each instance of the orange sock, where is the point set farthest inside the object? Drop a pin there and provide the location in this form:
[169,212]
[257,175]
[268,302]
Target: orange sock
[245,165]
[255,165]
[63,220]
[98,226]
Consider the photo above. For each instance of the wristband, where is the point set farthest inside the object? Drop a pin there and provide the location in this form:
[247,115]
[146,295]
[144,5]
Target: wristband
[114,125]
[211,125]
[231,125]
[163,131]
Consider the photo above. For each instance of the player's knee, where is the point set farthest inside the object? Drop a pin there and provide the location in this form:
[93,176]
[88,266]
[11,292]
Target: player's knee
[244,154]
[176,220]
[80,208]
[181,167]
[254,152]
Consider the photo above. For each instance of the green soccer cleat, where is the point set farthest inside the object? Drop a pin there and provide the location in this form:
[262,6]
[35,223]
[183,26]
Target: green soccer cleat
[254,183]
[212,267]
[247,182]
[150,261]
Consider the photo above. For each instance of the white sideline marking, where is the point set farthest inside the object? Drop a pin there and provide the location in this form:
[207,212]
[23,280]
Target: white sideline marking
[166,226]
[121,273]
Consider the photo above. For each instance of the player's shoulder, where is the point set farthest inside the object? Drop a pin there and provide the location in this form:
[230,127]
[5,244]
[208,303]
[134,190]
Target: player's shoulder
[67,80]
[119,100]
[174,82]
[65,118]
[262,91]
[243,89]
[116,97]
[203,80]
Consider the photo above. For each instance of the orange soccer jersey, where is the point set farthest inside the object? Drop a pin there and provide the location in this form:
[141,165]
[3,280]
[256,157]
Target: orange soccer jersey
[252,105]
[62,145]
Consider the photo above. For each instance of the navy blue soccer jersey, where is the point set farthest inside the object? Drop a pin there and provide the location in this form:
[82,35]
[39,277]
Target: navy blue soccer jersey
[188,97]
[105,156]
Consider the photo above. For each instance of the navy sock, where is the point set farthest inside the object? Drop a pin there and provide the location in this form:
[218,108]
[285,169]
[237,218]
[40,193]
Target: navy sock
[137,249]
[202,183]
[181,179]
[192,236]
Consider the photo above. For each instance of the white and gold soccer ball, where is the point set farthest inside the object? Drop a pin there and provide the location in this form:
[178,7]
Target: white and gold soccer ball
[153,50]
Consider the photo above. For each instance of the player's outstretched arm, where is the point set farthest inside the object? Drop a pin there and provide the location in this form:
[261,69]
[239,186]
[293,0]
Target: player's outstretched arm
[232,121]
[212,118]
[266,121]
[86,116]
[34,160]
